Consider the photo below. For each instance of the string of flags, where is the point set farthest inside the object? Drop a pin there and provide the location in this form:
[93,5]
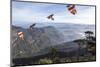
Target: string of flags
[71,8]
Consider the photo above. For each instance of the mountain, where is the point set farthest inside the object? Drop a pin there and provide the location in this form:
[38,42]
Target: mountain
[47,42]
[70,31]
[35,41]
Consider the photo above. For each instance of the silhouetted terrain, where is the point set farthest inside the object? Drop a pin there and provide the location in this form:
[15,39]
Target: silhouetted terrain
[45,45]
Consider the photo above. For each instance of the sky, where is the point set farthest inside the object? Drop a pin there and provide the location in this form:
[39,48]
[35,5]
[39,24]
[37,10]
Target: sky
[27,12]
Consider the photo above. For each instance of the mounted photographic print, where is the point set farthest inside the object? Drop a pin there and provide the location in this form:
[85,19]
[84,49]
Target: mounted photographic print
[52,33]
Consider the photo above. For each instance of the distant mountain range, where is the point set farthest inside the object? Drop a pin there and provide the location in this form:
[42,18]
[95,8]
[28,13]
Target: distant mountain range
[70,31]
[66,25]
[41,38]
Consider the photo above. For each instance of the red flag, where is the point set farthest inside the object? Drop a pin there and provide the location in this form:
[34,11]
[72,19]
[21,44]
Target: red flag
[72,9]
[21,35]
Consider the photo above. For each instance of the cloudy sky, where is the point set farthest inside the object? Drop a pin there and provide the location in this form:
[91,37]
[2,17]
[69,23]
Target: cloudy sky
[26,12]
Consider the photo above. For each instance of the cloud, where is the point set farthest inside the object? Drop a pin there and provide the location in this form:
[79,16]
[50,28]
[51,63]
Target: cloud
[37,13]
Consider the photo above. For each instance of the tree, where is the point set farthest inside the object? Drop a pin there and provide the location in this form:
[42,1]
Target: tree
[88,35]
[91,47]
[54,51]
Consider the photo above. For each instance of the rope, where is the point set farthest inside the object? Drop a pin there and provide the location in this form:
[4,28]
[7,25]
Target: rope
[31,32]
